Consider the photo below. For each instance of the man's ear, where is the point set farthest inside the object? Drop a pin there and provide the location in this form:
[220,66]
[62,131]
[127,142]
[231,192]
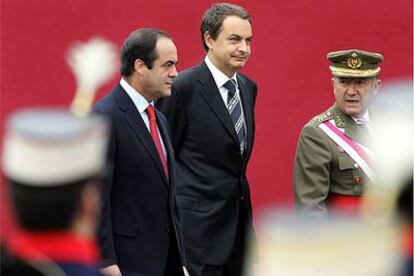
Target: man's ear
[333,83]
[90,199]
[208,39]
[140,66]
[377,86]
[89,209]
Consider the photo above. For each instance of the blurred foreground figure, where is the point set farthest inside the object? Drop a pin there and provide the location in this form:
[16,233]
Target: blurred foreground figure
[339,246]
[53,160]
[393,143]
[332,165]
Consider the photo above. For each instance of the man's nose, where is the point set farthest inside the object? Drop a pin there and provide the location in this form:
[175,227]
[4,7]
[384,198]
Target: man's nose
[243,46]
[173,72]
[352,89]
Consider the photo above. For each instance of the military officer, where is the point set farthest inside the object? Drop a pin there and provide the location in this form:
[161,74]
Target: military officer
[332,163]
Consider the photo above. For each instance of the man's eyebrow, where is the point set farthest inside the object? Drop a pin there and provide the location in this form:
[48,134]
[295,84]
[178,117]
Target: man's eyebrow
[170,61]
[239,36]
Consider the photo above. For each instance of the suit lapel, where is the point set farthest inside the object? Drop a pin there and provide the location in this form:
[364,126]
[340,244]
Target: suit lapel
[211,95]
[168,147]
[135,122]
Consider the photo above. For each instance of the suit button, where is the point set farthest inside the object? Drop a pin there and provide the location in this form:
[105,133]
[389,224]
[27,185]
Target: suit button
[241,198]
[237,153]
[167,229]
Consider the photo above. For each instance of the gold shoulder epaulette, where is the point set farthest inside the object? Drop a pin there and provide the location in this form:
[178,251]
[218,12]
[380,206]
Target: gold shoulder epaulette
[323,117]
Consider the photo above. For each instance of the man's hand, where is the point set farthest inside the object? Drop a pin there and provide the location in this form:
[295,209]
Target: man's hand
[185,271]
[112,270]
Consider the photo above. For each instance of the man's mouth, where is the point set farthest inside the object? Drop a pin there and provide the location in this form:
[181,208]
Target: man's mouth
[240,58]
[351,101]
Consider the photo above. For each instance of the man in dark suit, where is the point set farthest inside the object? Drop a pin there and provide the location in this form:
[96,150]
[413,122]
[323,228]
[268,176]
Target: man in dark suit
[140,231]
[212,122]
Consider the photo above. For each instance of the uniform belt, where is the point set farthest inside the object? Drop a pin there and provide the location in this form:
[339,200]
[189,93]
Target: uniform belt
[344,203]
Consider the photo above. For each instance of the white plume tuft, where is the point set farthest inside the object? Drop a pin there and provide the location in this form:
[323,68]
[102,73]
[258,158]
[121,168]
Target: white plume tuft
[93,63]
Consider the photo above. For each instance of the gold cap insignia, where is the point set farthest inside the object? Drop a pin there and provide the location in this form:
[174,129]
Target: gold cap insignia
[354,61]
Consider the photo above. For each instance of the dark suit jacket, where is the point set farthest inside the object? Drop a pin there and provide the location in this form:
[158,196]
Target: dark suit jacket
[139,212]
[211,172]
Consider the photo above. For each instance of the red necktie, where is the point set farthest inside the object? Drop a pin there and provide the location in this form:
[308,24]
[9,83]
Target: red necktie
[156,138]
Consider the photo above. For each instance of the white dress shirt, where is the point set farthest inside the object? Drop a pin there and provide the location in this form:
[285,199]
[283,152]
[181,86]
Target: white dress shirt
[141,104]
[220,79]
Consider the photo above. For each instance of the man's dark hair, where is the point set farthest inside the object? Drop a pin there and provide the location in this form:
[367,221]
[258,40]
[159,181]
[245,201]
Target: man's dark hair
[47,208]
[140,44]
[213,19]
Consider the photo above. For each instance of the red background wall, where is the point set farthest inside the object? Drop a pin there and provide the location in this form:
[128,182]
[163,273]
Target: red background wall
[291,40]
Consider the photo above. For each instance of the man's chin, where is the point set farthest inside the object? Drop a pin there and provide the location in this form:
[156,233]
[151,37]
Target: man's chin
[354,112]
[239,64]
[167,93]
[163,94]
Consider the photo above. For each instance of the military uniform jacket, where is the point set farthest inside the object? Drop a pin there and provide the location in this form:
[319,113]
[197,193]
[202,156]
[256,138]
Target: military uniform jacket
[323,169]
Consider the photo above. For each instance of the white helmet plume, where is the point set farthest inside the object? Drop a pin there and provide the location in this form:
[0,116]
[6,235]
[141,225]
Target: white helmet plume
[93,63]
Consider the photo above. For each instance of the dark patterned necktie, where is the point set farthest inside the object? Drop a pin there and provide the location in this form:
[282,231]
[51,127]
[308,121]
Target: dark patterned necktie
[236,114]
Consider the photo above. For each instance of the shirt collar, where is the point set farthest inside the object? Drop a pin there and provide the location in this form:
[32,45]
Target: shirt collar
[365,117]
[219,77]
[139,101]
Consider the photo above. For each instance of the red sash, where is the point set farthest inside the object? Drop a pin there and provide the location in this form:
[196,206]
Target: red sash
[352,148]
